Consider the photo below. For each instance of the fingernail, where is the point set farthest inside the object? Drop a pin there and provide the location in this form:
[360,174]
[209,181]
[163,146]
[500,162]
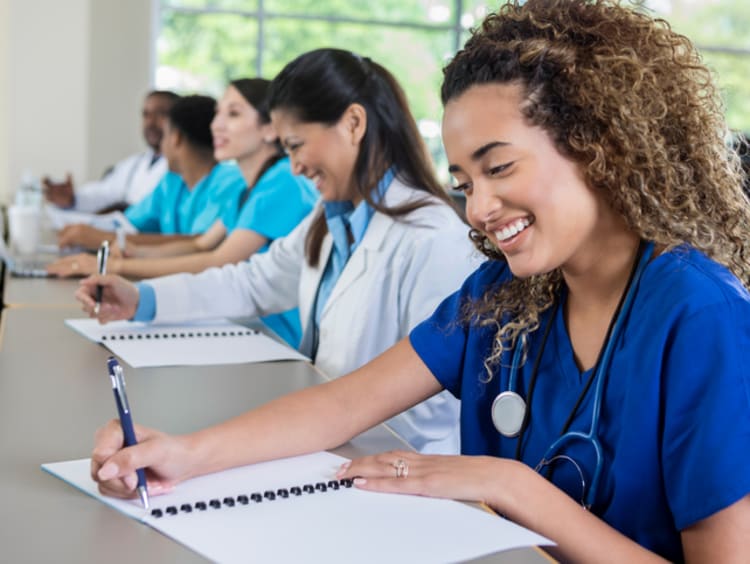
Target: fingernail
[359,481]
[131,481]
[158,488]
[342,469]
[108,471]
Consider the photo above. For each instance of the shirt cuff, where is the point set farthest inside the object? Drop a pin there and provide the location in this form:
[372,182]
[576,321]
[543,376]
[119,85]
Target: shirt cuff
[146,310]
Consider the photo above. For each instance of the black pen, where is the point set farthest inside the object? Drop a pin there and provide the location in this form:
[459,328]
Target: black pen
[126,420]
[102,256]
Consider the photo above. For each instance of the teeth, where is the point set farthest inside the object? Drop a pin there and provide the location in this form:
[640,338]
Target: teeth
[512,230]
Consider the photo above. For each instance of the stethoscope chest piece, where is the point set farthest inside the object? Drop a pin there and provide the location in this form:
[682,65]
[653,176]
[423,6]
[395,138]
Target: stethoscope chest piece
[508,412]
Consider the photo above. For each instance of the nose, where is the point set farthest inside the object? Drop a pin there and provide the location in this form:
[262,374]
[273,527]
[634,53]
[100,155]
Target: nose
[297,166]
[482,205]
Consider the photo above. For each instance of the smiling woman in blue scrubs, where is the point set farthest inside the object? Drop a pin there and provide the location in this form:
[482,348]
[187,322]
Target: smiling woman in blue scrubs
[601,355]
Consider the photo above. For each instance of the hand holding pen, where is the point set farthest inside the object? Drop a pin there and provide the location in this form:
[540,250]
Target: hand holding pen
[102,256]
[126,421]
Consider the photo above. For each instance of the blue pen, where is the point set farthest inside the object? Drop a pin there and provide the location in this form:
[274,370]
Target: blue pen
[123,409]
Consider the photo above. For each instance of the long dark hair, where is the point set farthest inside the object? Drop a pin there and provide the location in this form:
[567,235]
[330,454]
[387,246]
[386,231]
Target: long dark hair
[318,87]
[255,91]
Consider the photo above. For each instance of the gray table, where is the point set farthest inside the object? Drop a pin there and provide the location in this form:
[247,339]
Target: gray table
[54,393]
[39,292]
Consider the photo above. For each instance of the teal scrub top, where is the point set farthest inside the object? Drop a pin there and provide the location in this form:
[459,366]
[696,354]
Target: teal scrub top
[173,209]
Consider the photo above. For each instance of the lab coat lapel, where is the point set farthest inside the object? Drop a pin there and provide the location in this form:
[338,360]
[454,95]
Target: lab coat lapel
[308,292]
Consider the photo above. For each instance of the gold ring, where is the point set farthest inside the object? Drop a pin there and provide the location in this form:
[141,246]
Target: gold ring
[402,468]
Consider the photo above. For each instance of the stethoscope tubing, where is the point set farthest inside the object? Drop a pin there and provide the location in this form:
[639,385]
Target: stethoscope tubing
[600,377]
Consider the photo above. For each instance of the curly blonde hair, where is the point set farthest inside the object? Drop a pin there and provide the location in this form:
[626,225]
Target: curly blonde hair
[630,101]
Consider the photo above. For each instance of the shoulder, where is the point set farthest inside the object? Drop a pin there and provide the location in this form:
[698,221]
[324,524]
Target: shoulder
[167,182]
[691,281]
[135,158]
[279,172]
[279,177]
[228,172]
[491,273]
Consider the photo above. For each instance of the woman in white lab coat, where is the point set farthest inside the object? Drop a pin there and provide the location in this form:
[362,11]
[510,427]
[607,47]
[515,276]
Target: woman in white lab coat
[372,260]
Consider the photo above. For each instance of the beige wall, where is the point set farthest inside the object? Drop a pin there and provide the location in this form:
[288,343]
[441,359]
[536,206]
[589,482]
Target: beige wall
[75,73]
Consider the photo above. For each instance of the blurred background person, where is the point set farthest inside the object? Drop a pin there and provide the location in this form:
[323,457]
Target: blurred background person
[128,181]
[274,202]
[190,197]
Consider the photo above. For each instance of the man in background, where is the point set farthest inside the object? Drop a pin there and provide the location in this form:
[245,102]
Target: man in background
[131,179]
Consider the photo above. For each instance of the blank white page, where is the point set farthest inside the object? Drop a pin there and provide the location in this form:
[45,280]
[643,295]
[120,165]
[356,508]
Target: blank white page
[194,344]
[343,525]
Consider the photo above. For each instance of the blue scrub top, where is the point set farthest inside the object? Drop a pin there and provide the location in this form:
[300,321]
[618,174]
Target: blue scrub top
[675,421]
[276,204]
[273,208]
[173,209]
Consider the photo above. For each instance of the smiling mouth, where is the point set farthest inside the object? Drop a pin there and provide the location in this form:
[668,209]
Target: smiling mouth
[512,229]
[315,179]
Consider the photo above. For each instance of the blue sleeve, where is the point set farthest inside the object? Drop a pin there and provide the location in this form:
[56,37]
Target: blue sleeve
[276,208]
[146,310]
[146,214]
[441,340]
[706,436]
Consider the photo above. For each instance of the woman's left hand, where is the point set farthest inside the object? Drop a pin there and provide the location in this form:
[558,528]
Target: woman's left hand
[82,264]
[467,478]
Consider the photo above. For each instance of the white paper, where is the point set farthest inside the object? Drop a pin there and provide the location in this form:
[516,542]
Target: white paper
[344,525]
[194,344]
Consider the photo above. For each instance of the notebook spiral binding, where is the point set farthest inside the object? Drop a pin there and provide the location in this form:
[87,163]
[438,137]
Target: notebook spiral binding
[180,335]
[256,497]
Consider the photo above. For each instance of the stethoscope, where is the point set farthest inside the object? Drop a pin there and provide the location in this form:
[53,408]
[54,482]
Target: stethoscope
[510,412]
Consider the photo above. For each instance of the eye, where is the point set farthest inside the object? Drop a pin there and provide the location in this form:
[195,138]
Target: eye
[497,170]
[290,148]
[462,187]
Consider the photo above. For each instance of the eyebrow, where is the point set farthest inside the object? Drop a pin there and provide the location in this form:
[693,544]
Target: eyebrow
[479,153]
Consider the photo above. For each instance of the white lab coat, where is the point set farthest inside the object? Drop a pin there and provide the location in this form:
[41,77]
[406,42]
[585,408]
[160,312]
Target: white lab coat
[131,180]
[395,278]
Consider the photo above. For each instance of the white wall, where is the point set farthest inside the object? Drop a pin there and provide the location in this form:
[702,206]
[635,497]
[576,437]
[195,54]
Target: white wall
[75,73]
[4,105]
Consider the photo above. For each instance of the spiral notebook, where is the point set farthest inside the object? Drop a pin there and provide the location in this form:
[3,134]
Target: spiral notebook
[294,510]
[204,343]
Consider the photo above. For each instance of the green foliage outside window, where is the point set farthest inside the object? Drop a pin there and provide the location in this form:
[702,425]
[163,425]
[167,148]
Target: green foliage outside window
[205,43]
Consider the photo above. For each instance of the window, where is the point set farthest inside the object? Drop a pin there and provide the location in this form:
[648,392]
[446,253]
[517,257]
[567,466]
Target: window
[721,31]
[205,43]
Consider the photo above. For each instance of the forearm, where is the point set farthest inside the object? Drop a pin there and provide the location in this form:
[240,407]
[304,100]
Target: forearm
[168,249]
[320,417]
[152,267]
[156,238]
[528,499]
[307,421]
[269,283]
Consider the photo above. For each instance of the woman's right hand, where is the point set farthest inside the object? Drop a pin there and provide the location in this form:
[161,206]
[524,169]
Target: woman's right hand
[119,297]
[113,466]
